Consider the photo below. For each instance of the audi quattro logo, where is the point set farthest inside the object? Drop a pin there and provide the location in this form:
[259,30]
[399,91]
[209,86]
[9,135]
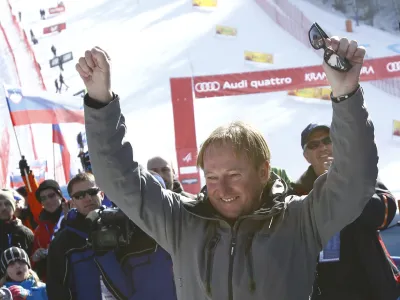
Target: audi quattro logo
[203,87]
[393,66]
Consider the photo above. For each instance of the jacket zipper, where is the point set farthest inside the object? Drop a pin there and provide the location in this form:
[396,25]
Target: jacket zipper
[230,271]
[66,269]
[210,262]
[118,295]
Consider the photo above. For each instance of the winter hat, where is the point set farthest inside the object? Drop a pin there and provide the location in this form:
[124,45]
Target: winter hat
[13,254]
[7,195]
[5,294]
[19,293]
[48,184]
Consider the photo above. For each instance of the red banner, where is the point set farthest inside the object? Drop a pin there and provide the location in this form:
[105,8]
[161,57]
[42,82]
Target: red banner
[57,10]
[54,28]
[185,133]
[285,79]
[182,90]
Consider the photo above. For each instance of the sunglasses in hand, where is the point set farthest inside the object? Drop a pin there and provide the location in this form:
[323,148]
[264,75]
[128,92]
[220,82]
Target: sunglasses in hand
[317,40]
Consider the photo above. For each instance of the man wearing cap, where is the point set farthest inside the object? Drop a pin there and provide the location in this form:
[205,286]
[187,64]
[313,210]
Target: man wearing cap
[352,265]
[50,196]
[12,232]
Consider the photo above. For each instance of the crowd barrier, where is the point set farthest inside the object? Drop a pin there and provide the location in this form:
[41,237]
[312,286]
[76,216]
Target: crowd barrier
[28,46]
[292,20]
[11,52]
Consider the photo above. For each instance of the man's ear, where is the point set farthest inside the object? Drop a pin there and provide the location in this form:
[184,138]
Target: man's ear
[264,172]
[306,156]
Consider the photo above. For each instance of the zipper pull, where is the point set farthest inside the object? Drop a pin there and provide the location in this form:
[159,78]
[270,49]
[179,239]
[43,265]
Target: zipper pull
[233,245]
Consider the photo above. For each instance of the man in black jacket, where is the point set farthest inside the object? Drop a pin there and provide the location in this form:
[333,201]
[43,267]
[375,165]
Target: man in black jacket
[352,266]
[12,232]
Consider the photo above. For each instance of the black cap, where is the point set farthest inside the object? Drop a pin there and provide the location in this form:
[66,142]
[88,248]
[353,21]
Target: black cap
[309,130]
[48,184]
[13,254]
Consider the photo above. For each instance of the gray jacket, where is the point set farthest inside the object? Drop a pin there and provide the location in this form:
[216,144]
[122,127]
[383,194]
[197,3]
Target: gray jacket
[270,254]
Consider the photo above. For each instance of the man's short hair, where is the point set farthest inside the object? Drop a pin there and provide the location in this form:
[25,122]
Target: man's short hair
[79,178]
[245,140]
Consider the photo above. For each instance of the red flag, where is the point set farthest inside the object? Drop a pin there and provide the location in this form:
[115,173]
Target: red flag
[58,138]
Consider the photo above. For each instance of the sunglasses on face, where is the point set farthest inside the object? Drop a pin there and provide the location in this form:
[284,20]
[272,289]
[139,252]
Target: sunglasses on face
[312,145]
[317,40]
[82,194]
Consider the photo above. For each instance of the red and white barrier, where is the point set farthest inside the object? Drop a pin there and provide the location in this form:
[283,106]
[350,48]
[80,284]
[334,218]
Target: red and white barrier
[28,46]
[11,52]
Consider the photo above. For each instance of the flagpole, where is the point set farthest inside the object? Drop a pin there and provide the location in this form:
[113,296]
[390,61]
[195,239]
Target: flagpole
[16,138]
[54,163]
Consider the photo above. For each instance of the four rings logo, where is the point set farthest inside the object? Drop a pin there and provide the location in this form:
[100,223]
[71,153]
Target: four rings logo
[393,66]
[202,87]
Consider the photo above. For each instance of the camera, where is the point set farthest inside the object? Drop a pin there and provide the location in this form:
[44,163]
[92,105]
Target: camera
[110,229]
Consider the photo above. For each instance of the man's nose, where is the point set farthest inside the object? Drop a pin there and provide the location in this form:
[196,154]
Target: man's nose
[224,187]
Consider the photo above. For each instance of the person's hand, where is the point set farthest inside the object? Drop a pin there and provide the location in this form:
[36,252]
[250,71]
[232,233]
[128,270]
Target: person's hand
[39,254]
[18,292]
[327,163]
[343,83]
[94,69]
[23,165]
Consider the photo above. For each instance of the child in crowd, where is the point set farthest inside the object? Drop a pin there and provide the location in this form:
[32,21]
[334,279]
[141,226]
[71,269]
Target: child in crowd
[19,278]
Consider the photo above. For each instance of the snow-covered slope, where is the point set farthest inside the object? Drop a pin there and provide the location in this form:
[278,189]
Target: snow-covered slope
[375,40]
[151,41]
[386,18]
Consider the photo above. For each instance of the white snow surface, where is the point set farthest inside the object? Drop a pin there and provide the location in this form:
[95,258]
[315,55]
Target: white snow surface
[151,41]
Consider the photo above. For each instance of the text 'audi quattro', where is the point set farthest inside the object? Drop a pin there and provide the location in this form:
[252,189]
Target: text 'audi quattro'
[202,87]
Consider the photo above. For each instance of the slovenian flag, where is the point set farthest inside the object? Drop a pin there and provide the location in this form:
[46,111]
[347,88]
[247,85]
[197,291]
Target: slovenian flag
[42,108]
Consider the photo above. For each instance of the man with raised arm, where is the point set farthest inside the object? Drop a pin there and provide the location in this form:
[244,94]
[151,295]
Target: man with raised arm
[246,239]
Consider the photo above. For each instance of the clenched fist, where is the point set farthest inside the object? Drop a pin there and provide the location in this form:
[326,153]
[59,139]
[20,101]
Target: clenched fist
[343,83]
[94,69]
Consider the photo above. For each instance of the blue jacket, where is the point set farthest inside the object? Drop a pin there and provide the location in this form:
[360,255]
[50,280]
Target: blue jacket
[34,291]
[139,271]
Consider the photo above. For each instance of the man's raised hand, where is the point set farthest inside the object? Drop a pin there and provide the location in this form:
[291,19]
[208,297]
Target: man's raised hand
[94,69]
[343,83]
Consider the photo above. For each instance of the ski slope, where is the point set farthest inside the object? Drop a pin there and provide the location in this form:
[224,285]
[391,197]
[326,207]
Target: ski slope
[151,41]
[376,41]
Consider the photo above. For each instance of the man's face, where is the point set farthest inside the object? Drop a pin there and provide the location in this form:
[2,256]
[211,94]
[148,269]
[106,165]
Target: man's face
[50,199]
[164,169]
[6,210]
[234,185]
[318,150]
[86,196]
